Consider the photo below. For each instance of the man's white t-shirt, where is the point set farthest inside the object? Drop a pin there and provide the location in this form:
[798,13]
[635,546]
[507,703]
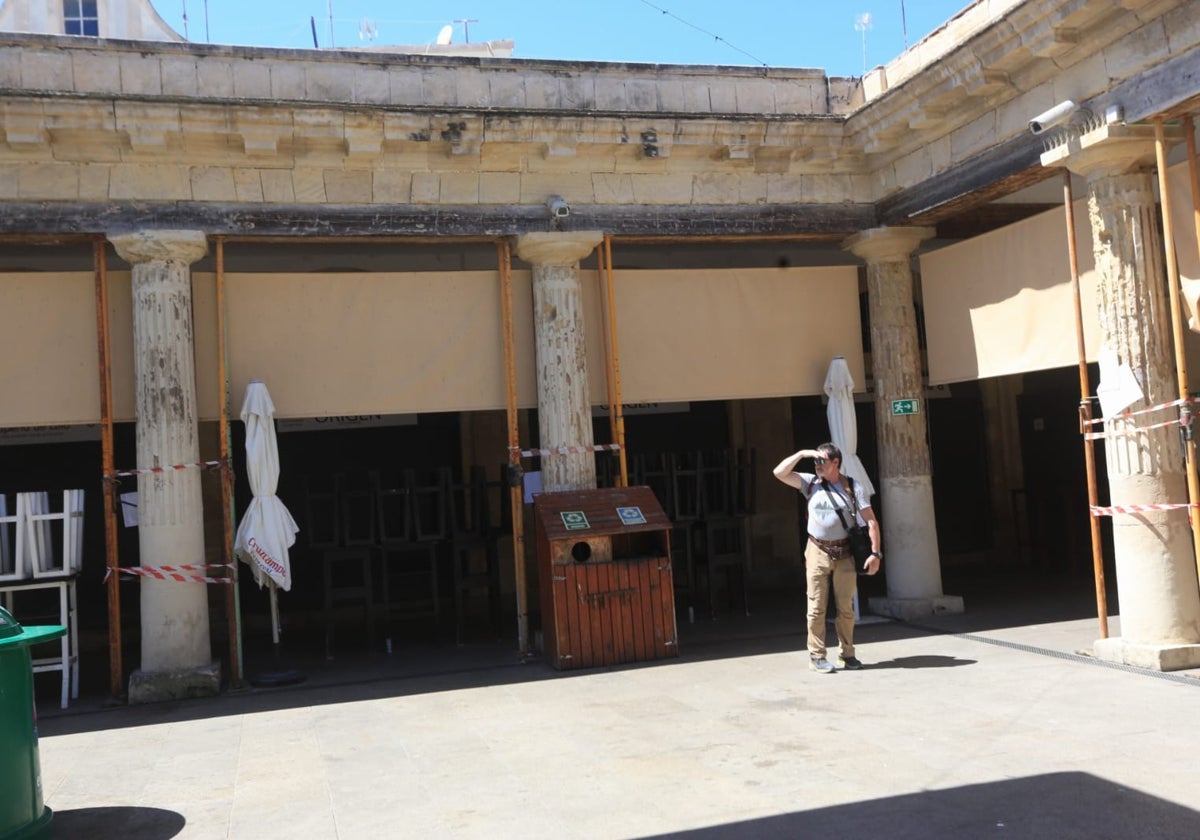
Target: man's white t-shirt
[823,521]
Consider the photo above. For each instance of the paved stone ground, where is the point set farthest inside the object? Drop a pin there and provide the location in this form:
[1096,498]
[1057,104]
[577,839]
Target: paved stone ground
[975,728]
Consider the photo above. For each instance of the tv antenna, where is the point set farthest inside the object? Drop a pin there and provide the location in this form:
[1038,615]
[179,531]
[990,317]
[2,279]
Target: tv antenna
[904,24]
[862,23]
[466,22]
[185,34]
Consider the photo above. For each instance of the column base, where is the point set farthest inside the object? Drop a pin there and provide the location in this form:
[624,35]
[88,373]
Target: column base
[1153,657]
[156,686]
[907,609]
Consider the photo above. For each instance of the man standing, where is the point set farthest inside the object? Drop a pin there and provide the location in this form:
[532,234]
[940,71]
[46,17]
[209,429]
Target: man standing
[835,502]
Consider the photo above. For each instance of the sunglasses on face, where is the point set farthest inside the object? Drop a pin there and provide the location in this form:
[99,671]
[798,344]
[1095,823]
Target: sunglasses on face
[820,462]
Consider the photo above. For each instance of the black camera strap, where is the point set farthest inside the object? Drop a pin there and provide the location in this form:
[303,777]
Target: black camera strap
[852,502]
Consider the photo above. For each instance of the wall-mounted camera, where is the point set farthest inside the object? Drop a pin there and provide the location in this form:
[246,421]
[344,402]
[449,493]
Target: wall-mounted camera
[559,209]
[1058,115]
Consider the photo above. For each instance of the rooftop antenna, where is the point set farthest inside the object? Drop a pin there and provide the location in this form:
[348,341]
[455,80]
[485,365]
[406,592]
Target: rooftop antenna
[862,23]
[207,39]
[445,35]
[185,35]
[904,24]
[330,7]
[466,28]
[368,30]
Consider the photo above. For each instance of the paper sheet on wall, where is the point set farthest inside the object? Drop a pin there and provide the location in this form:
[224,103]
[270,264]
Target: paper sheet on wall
[1118,388]
[533,484]
[129,506]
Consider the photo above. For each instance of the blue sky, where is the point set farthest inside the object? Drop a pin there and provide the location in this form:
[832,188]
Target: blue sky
[820,34]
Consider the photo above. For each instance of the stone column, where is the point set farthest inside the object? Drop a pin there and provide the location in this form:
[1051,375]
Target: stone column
[176,652]
[564,408]
[1156,575]
[911,562]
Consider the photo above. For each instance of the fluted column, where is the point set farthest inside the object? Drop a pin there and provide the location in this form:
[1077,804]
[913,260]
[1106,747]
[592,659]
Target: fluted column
[1156,576]
[174,631]
[911,561]
[564,407]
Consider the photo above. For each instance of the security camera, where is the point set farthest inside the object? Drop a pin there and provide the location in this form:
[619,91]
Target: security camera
[1057,115]
[559,209]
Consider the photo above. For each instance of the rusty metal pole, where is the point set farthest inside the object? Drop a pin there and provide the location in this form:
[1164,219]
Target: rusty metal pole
[233,607]
[1085,413]
[514,445]
[618,411]
[116,670]
[1185,411]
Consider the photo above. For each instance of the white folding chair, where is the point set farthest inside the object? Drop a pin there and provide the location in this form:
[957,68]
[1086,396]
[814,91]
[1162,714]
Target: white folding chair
[13,563]
[44,560]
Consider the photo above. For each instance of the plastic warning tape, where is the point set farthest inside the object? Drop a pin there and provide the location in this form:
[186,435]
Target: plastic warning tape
[1116,509]
[1119,433]
[570,450]
[1159,407]
[176,573]
[205,465]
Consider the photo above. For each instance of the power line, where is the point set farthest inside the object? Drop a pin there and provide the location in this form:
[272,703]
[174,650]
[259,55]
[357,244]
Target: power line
[714,36]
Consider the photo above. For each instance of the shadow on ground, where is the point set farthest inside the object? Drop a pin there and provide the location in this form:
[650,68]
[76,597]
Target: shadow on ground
[1064,806]
[125,822]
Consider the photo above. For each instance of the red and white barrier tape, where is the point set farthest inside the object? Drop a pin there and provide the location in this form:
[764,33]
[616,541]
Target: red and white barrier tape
[1119,433]
[1111,511]
[206,465]
[1159,407]
[570,450]
[174,573]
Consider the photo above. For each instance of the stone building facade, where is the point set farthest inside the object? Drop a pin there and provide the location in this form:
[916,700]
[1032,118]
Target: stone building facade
[347,193]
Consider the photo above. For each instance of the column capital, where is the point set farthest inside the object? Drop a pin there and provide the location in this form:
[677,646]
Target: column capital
[140,246]
[566,248]
[887,244]
[1109,149]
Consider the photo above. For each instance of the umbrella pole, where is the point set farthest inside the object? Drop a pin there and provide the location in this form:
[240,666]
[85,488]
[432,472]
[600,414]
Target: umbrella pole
[274,596]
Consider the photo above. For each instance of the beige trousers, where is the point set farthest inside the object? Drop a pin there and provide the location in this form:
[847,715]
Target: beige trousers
[820,570]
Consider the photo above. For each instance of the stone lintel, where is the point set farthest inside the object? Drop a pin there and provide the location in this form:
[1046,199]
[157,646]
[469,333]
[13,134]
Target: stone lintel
[156,686]
[557,248]
[1108,149]
[1154,657]
[908,609]
[887,244]
[141,246]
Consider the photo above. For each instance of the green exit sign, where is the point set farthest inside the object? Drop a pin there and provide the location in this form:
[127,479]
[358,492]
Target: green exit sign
[900,407]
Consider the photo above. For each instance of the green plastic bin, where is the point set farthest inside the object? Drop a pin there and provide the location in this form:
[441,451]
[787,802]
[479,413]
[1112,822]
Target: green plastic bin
[22,812]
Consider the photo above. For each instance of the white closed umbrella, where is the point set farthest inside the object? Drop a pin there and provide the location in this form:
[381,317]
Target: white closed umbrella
[267,530]
[843,426]
[843,429]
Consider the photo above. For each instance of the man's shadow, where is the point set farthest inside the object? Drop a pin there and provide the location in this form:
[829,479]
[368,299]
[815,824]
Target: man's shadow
[927,661]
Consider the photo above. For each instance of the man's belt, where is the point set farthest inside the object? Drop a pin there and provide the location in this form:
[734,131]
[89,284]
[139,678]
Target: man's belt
[834,548]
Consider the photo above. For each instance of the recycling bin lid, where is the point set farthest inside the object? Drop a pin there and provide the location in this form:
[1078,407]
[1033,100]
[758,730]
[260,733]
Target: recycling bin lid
[11,632]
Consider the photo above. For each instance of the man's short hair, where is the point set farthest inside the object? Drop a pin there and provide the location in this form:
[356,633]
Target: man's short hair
[832,453]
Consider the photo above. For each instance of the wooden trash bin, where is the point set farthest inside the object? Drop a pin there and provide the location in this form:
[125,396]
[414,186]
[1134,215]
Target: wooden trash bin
[604,565]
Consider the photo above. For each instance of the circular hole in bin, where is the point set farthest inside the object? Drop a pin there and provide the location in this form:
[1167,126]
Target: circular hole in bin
[582,552]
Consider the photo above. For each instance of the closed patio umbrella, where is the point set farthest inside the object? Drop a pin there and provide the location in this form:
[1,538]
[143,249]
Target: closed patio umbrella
[843,425]
[843,429]
[267,530]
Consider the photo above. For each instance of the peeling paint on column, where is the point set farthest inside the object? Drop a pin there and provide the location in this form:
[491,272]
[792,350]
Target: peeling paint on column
[564,407]
[1153,550]
[174,614]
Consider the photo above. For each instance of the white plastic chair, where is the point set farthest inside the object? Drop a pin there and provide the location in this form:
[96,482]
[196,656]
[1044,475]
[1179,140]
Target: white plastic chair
[13,563]
[43,559]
